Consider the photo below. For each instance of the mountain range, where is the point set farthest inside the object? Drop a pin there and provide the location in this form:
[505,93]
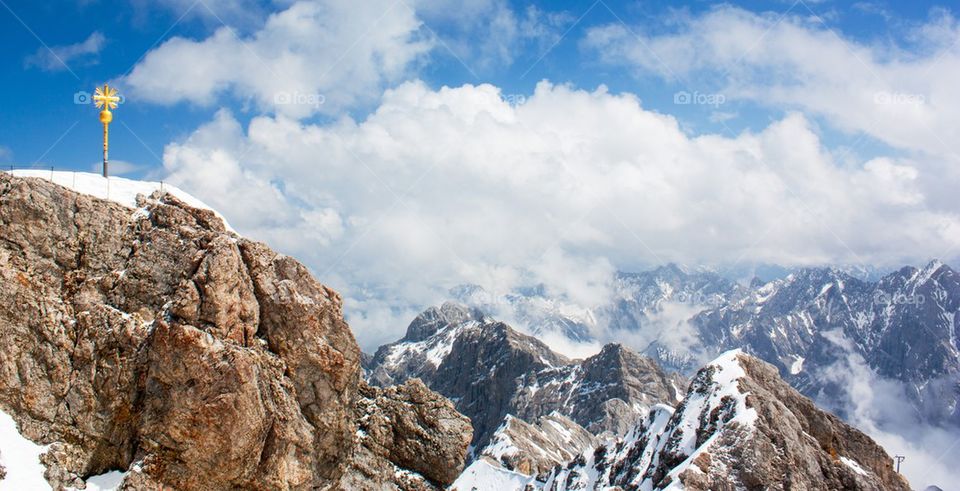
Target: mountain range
[815,325]
[151,347]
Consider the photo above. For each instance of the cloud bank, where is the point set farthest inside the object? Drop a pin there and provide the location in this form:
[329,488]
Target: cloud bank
[880,408]
[455,185]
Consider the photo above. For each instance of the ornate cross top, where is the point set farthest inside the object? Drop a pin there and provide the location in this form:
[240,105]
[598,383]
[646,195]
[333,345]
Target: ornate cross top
[106,98]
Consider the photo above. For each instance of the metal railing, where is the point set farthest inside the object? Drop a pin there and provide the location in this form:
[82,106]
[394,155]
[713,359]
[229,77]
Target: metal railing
[71,183]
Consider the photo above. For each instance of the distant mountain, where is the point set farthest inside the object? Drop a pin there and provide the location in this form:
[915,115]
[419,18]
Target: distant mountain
[491,371]
[639,297]
[651,302]
[812,324]
[808,324]
[606,392]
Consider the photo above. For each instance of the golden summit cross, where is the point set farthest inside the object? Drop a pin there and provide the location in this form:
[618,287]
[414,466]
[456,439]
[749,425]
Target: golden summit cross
[106,98]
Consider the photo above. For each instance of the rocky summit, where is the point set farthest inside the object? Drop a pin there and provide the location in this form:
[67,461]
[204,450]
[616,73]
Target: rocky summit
[155,343]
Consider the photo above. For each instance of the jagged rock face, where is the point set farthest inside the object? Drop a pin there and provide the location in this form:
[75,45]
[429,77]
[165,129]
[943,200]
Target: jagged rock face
[155,341]
[411,428]
[533,449]
[481,372]
[467,357]
[489,371]
[607,392]
[740,427]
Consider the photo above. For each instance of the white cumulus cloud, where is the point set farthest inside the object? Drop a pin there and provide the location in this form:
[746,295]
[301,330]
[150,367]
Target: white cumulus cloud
[58,58]
[314,57]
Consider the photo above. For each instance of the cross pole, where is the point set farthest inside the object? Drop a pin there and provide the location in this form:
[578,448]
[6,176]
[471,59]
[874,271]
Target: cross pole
[106,98]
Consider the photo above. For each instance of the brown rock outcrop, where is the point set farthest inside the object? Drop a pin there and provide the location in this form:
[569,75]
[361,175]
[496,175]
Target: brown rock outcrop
[412,428]
[155,341]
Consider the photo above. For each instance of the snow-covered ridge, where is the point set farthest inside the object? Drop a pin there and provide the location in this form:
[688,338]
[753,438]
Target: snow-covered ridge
[667,439]
[483,475]
[117,189]
[722,396]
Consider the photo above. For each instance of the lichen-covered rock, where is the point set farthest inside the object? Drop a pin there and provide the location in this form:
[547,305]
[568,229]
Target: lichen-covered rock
[156,342]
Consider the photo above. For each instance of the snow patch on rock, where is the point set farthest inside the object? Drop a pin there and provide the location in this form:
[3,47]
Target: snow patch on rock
[20,458]
[482,476]
[117,189]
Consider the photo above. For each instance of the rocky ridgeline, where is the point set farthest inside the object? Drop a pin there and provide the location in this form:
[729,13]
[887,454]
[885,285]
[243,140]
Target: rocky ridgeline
[517,392]
[155,342]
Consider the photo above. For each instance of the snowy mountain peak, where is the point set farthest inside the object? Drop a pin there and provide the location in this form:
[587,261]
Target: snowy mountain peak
[723,435]
[434,319]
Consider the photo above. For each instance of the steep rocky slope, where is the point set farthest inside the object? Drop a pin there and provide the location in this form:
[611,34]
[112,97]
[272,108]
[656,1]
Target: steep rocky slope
[490,371]
[739,427]
[154,342]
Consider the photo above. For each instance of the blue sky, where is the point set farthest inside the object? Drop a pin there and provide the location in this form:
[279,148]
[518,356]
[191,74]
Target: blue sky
[402,147]
[42,125]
